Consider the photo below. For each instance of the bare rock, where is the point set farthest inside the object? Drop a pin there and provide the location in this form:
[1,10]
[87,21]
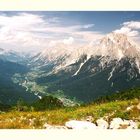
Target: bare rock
[118,123]
[74,124]
[101,123]
[125,124]
[132,125]
[115,123]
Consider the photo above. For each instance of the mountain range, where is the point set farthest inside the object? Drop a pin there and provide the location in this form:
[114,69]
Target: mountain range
[84,73]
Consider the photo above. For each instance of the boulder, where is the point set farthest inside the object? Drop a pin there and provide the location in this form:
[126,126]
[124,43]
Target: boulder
[125,124]
[132,125]
[101,123]
[115,123]
[74,124]
[118,123]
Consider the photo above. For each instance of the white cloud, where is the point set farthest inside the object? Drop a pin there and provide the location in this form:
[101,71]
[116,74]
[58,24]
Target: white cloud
[123,30]
[88,26]
[27,32]
[127,31]
[130,28]
[89,36]
[15,30]
[132,24]
[68,41]
[20,20]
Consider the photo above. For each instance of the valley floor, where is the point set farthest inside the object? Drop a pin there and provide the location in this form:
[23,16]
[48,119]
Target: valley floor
[128,110]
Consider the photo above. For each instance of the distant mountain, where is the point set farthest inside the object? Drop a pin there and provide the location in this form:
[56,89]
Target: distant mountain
[110,65]
[10,93]
[12,56]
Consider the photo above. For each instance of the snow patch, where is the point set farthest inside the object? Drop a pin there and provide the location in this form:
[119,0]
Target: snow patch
[78,69]
[40,97]
[111,74]
[138,65]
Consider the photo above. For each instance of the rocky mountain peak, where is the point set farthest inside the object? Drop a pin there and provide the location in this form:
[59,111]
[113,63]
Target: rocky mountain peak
[113,46]
[118,46]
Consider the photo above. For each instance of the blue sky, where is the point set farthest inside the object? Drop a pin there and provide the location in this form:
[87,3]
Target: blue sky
[34,31]
[104,21]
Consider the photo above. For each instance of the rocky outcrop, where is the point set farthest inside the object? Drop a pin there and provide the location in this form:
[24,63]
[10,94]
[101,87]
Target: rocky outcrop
[118,123]
[74,124]
[101,123]
[115,123]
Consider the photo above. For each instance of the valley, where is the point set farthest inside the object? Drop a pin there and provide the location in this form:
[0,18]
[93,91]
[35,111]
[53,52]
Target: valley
[85,73]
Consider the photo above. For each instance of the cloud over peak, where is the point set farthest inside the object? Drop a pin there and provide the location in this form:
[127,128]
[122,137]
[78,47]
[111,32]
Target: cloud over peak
[130,28]
[27,31]
[35,31]
[132,24]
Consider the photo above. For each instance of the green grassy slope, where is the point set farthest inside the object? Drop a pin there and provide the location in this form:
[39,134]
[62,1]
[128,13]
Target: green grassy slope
[108,107]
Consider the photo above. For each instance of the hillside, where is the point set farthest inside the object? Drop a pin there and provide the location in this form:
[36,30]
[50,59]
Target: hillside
[128,94]
[112,107]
